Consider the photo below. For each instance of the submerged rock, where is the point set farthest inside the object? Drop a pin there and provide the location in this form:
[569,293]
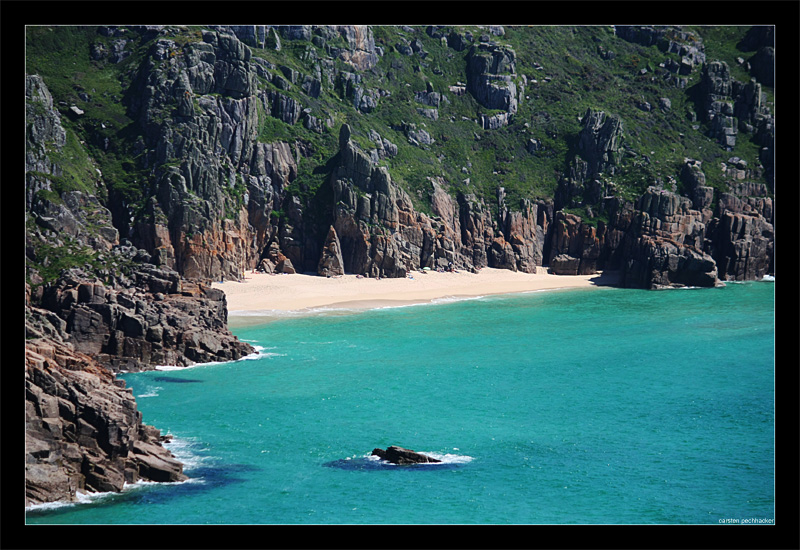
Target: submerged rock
[399,455]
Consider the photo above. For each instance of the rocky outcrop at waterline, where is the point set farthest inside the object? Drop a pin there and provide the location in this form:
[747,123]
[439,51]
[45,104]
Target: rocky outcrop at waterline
[83,432]
[399,455]
[137,320]
[96,305]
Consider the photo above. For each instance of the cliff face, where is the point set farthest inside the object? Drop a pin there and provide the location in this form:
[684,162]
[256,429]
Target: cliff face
[114,302]
[93,306]
[222,199]
[382,235]
[663,241]
[82,429]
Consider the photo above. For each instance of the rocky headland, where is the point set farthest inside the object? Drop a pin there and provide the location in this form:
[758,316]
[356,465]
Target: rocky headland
[83,432]
[172,157]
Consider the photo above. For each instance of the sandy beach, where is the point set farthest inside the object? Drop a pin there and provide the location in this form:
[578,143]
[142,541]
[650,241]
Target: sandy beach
[264,294]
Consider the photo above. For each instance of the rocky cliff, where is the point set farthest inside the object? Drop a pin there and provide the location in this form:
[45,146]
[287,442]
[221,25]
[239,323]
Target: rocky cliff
[113,303]
[382,235]
[95,306]
[223,197]
[83,432]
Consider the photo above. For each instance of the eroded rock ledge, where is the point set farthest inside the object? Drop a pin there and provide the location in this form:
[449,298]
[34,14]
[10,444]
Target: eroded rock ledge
[160,319]
[83,431]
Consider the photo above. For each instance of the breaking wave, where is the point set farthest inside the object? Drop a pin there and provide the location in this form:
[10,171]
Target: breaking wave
[258,354]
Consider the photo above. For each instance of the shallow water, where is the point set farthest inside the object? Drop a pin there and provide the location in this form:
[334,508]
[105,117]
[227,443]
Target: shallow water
[601,406]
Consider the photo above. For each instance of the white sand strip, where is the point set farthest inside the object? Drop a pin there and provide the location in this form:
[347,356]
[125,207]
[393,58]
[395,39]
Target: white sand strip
[259,292]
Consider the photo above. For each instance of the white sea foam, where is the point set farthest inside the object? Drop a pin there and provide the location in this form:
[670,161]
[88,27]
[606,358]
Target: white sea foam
[545,290]
[250,357]
[179,447]
[346,309]
[267,313]
[452,299]
[449,458]
[445,458]
[403,305]
[80,498]
[150,392]
[183,449]
[49,506]
[765,278]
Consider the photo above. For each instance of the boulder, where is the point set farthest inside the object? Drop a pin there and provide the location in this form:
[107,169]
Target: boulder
[399,455]
[285,266]
[564,264]
[491,75]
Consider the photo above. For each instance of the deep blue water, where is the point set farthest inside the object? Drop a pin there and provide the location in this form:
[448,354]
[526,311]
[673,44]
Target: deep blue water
[592,406]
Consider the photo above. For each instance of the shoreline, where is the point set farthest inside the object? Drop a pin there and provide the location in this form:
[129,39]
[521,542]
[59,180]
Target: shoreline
[270,295]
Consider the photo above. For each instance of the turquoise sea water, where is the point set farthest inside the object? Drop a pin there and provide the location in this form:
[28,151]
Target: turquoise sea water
[593,406]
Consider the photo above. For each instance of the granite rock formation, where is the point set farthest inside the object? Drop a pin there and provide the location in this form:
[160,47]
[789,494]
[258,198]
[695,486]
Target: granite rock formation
[382,235]
[491,79]
[399,455]
[224,201]
[598,152]
[331,262]
[160,319]
[108,309]
[662,240]
[82,428]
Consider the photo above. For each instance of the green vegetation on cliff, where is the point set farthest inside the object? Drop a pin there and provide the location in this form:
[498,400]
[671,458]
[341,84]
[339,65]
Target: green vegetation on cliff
[470,109]
[567,70]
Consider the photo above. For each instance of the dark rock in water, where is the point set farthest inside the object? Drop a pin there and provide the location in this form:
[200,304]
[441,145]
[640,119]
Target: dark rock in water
[399,455]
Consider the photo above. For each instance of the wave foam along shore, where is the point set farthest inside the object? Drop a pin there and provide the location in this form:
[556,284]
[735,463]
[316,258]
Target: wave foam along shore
[275,294]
